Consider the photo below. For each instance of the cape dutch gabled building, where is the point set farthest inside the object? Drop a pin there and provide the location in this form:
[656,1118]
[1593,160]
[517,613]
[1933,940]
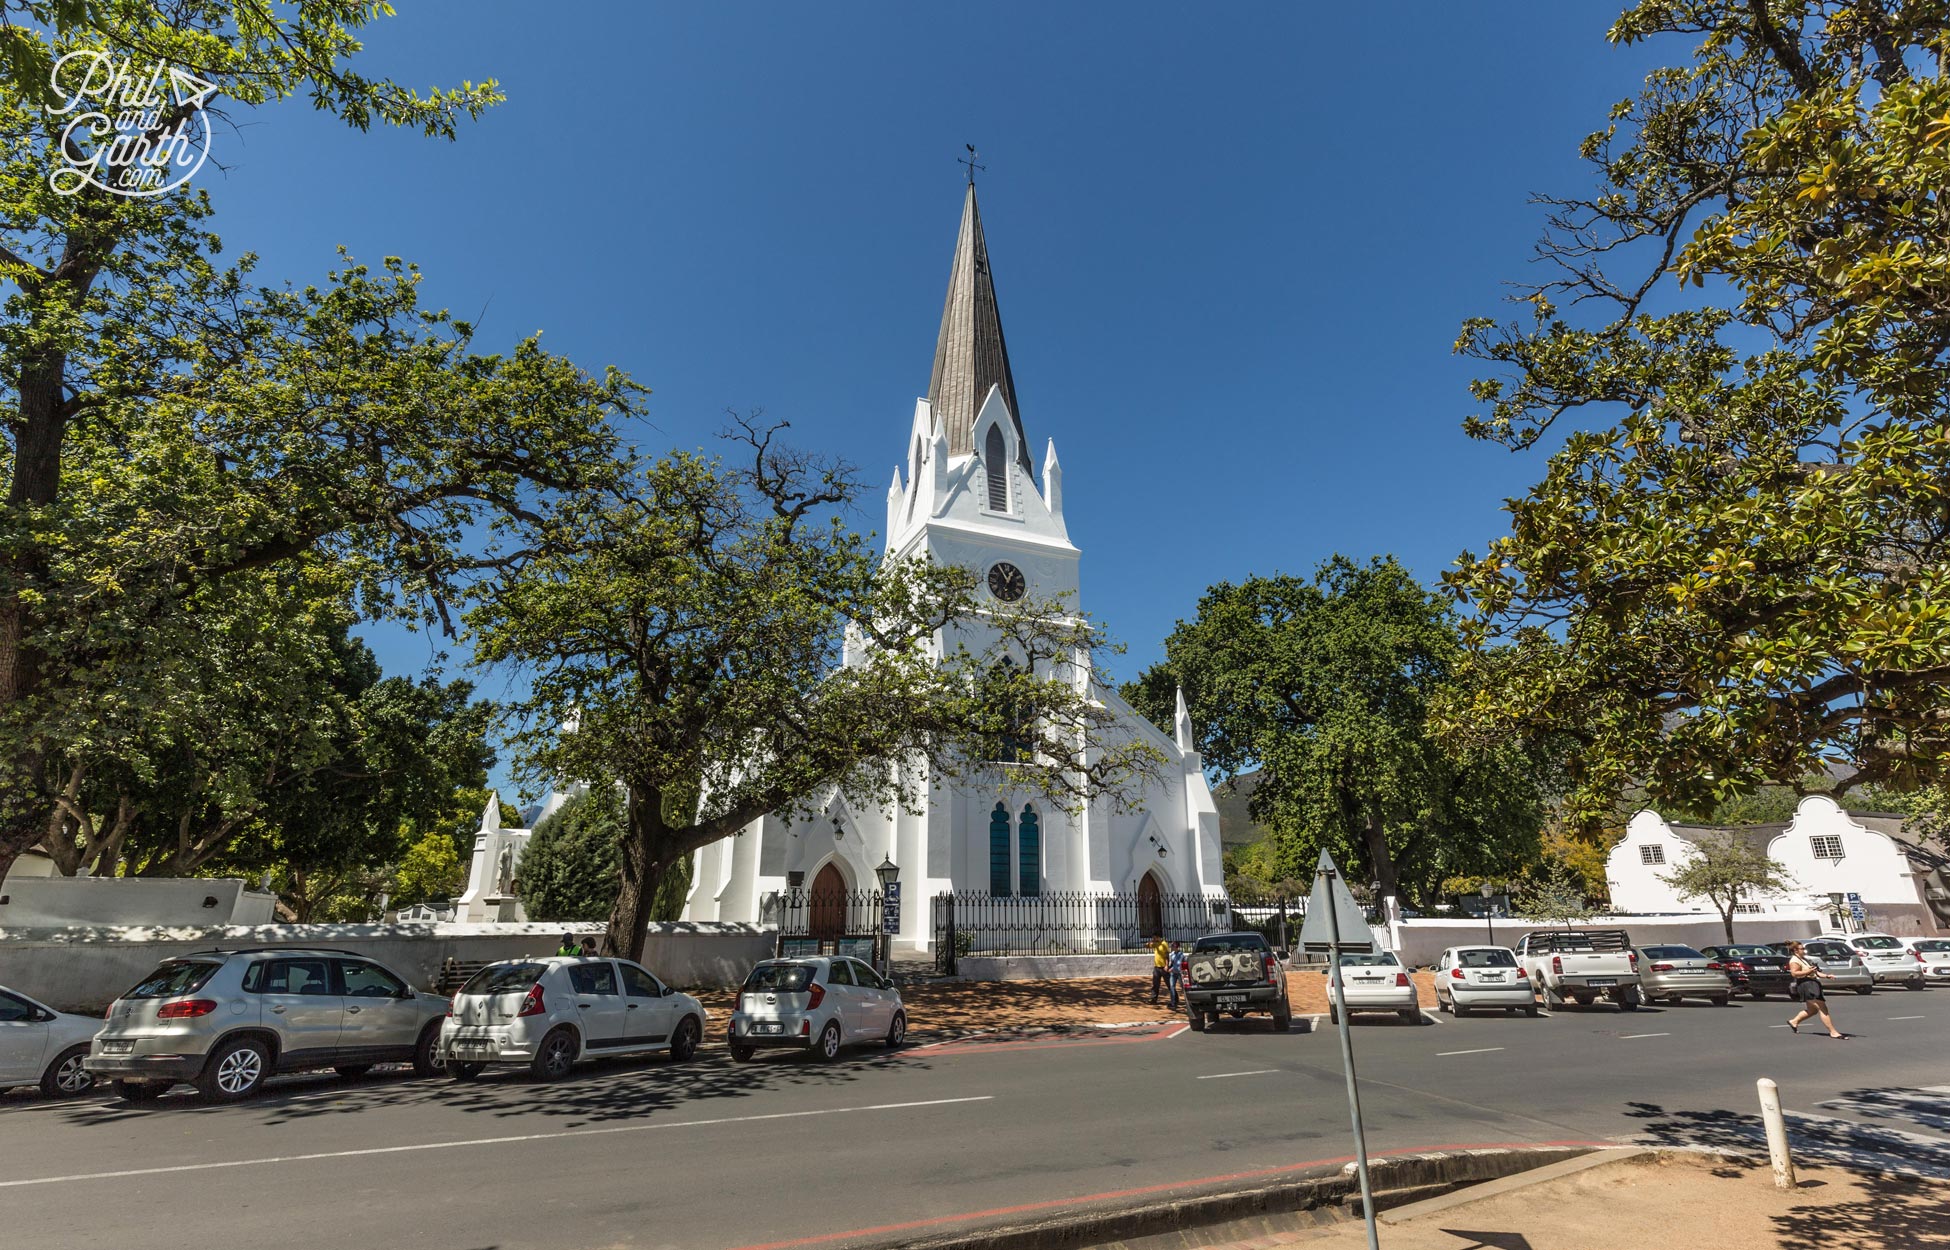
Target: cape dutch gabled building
[967,494]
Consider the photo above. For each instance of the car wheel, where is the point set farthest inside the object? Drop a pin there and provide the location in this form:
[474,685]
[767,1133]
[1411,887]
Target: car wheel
[1197,1021]
[464,1072]
[1628,1001]
[1410,1016]
[1282,1018]
[897,1031]
[1458,1011]
[1333,1014]
[828,1048]
[1914,983]
[742,1052]
[427,1059]
[1866,989]
[555,1056]
[1531,1011]
[65,1077]
[353,1071]
[683,1043]
[1758,996]
[139,1091]
[236,1070]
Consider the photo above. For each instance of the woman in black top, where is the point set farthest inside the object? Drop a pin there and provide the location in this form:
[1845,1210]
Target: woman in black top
[1808,977]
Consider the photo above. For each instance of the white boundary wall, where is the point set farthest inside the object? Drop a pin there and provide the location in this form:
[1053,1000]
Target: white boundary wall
[84,968]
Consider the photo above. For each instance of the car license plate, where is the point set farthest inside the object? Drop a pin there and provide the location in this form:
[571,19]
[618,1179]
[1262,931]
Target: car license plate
[118,1048]
[763,1027]
[1489,976]
[468,1046]
[1602,981]
[1230,1000]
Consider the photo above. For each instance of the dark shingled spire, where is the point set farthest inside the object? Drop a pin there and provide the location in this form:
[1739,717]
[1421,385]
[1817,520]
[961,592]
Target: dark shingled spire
[969,355]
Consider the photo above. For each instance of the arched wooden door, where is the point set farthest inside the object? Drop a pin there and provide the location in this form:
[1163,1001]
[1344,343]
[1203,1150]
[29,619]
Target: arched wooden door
[828,912]
[1151,907]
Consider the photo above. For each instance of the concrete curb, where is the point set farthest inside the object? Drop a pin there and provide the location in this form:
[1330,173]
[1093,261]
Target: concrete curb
[1510,1182]
[1317,1196]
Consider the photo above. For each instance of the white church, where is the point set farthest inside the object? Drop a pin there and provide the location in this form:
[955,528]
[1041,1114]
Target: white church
[968,495]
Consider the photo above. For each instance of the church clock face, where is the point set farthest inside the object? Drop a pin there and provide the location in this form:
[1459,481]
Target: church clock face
[1006,582]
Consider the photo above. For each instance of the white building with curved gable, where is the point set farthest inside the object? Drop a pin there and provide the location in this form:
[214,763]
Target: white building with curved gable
[967,493]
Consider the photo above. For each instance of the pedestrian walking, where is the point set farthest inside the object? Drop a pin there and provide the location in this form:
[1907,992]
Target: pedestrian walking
[1160,955]
[1808,977]
[1175,972]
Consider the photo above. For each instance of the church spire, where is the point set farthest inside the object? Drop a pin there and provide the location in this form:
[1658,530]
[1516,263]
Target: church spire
[970,356]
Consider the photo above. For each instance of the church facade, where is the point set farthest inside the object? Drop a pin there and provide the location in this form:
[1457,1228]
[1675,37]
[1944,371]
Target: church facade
[968,494]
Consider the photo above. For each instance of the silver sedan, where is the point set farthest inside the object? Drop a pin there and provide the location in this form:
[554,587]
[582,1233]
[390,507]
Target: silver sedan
[1675,972]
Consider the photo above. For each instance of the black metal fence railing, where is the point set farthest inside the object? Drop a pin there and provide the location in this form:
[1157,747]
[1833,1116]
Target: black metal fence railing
[829,922]
[971,922]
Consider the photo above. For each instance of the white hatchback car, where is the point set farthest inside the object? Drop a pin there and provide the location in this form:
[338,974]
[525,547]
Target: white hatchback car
[1886,956]
[1936,956]
[818,1003]
[44,1047]
[1375,982]
[1469,977]
[549,1013]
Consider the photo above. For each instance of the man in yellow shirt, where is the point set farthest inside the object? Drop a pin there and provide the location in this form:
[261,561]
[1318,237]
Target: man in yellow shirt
[1160,957]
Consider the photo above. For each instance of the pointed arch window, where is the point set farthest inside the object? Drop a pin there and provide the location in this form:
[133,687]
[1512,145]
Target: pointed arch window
[995,458]
[1029,852]
[999,852]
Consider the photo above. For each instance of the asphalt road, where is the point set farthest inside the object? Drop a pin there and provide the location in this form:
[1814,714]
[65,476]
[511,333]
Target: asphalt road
[713,1155]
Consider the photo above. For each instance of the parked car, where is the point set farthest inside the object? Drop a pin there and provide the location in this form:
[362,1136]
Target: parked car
[548,1014]
[1471,977]
[1887,957]
[44,1047]
[1673,973]
[1844,967]
[818,1003]
[1233,974]
[1936,956]
[227,1020]
[1374,982]
[1755,970]
[1581,964]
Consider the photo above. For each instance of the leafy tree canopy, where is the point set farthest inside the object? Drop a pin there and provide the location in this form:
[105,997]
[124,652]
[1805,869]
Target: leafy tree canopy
[571,869]
[1325,686]
[1733,570]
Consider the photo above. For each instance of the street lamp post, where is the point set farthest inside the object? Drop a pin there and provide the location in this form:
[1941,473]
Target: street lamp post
[1489,908]
[889,875]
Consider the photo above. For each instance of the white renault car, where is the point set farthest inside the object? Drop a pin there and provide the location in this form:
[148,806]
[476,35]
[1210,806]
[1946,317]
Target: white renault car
[1469,977]
[547,1014]
[1935,953]
[44,1047]
[1374,982]
[818,1003]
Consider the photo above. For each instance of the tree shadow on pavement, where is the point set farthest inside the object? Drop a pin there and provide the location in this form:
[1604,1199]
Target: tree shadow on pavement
[1887,1213]
[603,1091]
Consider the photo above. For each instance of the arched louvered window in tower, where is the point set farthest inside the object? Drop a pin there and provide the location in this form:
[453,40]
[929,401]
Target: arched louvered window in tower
[995,458]
[999,852]
[1029,852]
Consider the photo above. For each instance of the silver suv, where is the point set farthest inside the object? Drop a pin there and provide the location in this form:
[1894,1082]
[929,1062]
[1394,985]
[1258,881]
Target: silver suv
[225,1021]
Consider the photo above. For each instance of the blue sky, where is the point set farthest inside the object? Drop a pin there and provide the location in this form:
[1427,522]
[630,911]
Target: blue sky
[1232,245]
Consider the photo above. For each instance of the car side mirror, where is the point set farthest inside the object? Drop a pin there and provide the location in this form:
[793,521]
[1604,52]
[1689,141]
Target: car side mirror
[1281,955]
[42,1017]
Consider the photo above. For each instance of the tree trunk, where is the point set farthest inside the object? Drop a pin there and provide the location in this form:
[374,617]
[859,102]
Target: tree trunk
[1382,860]
[643,868]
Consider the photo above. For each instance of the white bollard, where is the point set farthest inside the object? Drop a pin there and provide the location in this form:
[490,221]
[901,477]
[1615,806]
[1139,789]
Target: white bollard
[1777,1142]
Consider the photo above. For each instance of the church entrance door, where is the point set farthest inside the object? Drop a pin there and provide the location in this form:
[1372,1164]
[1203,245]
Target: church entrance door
[827,915]
[1151,908]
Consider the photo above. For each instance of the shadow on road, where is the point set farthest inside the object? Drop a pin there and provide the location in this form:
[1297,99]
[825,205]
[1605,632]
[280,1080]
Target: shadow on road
[1892,1213]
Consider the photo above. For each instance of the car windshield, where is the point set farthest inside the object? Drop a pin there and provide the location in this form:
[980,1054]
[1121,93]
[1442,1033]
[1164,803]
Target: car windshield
[174,978]
[1879,943]
[504,979]
[1934,946]
[1670,952]
[1829,952]
[1486,959]
[1380,959]
[780,978]
[1231,942]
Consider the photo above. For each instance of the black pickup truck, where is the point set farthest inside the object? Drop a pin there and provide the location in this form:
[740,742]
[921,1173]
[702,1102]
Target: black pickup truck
[1233,974]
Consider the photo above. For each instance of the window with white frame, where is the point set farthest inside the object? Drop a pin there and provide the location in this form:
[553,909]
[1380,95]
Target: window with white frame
[1651,853]
[1826,845]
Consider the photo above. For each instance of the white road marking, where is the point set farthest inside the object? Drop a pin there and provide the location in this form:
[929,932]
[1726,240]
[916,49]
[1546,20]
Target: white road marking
[481,1141]
[1220,1076]
[1432,1017]
[951,1041]
[1627,1037]
[1183,1028]
[1909,1017]
[1444,1054]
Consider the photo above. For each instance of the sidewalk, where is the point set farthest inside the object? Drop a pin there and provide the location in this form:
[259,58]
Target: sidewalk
[956,1008]
[1672,1200]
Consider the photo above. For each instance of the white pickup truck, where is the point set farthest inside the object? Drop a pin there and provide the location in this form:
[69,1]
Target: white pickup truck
[1581,964]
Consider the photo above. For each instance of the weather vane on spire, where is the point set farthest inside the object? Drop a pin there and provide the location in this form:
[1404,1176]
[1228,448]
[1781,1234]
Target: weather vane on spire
[969,161]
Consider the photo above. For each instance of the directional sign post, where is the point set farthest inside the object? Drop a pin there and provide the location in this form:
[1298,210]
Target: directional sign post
[1335,924]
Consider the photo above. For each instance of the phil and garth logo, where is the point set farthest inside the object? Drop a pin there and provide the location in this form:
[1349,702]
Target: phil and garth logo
[137,130]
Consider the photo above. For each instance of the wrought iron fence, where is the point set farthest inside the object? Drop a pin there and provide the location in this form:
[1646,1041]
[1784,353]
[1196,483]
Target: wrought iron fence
[829,922]
[972,922]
